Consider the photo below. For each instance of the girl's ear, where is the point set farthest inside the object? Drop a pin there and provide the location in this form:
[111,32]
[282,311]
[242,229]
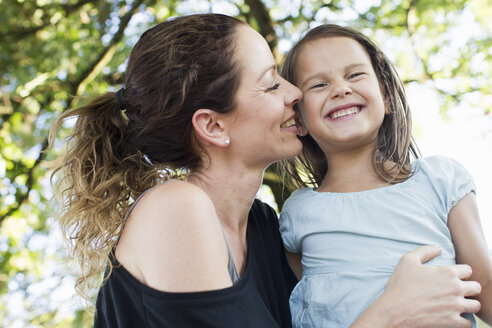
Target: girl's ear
[302,131]
[210,127]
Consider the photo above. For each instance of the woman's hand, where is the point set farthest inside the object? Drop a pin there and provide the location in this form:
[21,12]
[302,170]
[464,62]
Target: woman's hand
[424,296]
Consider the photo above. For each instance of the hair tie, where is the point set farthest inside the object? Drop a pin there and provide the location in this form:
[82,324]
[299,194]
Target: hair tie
[120,98]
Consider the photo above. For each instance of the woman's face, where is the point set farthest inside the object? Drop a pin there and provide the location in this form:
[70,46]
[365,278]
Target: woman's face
[262,125]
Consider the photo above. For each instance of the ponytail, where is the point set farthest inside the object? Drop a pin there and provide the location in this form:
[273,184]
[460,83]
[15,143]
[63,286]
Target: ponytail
[100,176]
[126,142]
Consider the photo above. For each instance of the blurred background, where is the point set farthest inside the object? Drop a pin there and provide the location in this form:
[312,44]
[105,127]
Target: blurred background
[54,55]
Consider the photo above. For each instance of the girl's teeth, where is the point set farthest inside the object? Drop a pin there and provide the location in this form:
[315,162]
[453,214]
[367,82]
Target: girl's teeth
[344,112]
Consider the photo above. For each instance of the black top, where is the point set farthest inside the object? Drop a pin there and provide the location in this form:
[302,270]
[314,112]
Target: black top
[259,299]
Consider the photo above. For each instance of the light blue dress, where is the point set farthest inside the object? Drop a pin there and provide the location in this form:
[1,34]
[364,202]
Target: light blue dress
[352,242]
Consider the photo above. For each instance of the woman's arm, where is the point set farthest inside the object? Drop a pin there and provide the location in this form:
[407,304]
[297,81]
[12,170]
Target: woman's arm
[471,248]
[421,296]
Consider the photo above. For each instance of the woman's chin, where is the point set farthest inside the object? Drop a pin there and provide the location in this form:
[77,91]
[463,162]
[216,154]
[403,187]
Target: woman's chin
[293,149]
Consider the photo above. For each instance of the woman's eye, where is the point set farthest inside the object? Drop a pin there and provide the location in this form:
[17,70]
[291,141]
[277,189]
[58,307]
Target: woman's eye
[274,87]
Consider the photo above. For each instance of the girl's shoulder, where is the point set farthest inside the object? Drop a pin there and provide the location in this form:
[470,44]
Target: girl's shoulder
[297,197]
[449,179]
[440,166]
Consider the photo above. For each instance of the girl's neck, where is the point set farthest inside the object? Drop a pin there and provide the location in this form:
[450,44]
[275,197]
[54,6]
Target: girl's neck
[351,172]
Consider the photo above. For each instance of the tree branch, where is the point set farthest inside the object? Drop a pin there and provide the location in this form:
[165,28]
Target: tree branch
[260,12]
[25,32]
[29,184]
[84,78]
[105,56]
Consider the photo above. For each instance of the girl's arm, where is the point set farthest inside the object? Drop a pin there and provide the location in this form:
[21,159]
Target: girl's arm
[421,296]
[294,261]
[471,248]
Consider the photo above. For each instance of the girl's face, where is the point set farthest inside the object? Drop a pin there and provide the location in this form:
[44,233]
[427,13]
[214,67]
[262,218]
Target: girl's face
[262,126]
[343,107]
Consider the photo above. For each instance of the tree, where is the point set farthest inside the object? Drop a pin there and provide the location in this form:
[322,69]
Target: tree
[54,54]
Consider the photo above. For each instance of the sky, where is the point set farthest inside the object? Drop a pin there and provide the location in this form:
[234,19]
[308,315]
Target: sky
[464,135]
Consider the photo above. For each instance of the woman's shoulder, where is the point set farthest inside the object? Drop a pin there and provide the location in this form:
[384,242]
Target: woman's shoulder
[174,204]
[171,196]
[172,240]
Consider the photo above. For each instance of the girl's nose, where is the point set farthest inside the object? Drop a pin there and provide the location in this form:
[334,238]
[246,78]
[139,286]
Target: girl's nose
[340,90]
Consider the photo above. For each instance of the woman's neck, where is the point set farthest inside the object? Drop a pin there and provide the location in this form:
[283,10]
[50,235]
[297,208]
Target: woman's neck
[232,192]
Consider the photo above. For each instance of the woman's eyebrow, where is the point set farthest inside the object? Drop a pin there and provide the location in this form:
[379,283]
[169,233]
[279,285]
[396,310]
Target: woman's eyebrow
[269,68]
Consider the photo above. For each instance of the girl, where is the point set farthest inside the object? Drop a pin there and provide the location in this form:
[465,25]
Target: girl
[370,204]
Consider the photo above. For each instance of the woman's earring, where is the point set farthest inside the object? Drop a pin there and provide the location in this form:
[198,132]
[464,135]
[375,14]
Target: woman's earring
[227,142]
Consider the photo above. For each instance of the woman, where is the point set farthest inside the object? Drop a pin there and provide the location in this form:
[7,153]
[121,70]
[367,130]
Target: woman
[203,102]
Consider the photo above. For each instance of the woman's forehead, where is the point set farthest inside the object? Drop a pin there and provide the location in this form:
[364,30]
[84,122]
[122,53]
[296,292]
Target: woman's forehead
[252,53]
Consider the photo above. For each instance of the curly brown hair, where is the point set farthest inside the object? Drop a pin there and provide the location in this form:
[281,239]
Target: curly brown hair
[394,142]
[113,156]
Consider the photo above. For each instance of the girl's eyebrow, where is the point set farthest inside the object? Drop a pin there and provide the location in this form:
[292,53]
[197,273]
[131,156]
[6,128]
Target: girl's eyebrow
[312,77]
[322,74]
[357,65]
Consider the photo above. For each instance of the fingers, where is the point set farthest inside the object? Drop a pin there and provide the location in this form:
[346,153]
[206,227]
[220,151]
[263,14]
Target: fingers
[463,271]
[426,253]
[472,288]
[471,306]
[461,322]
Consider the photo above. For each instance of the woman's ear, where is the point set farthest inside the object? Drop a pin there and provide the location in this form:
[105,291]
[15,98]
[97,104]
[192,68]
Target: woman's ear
[210,127]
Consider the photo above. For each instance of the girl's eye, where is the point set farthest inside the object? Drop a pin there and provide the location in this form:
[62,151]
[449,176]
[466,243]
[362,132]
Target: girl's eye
[318,85]
[274,87]
[354,75]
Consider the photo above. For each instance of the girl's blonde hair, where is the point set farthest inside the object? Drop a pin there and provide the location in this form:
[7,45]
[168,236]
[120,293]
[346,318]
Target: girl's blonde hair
[118,149]
[394,142]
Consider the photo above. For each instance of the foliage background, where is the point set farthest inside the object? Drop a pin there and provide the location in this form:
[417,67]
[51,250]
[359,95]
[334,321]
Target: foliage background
[55,54]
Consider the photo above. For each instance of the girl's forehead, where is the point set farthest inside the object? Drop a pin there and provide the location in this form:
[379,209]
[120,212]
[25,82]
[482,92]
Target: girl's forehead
[332,51]
[334,44]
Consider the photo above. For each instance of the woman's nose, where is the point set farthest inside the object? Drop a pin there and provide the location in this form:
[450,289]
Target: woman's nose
[294,95]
